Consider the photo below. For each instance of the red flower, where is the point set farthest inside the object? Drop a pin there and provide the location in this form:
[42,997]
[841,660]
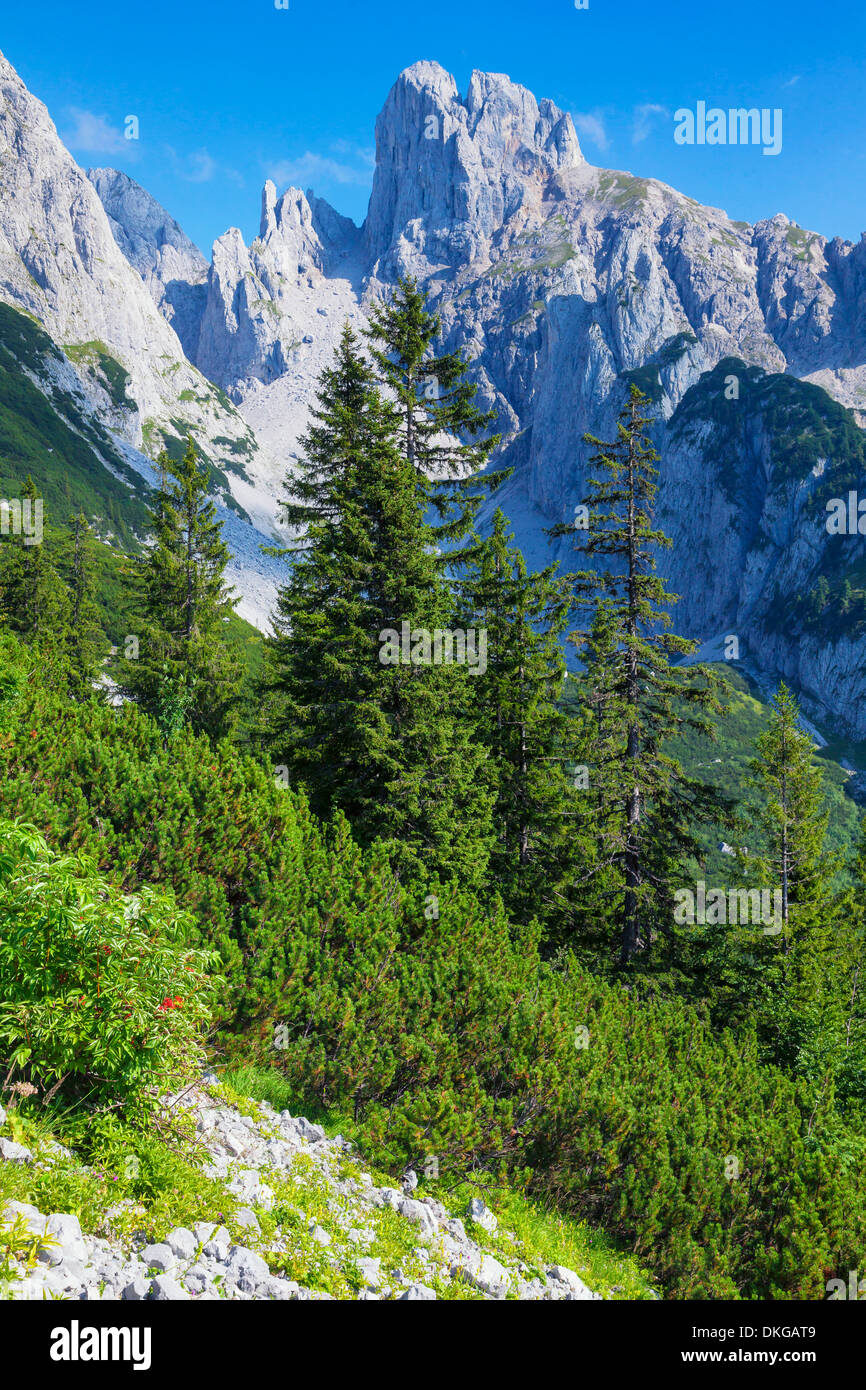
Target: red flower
[169,1003]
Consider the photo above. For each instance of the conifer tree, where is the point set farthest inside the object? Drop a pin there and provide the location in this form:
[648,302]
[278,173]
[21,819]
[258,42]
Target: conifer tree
[184,672]
[355,704]
[795,971]
[596,711]
[791,809]
[32,598]
[649,802]
[441,428]
[84,640]
[533,745]
[319,668]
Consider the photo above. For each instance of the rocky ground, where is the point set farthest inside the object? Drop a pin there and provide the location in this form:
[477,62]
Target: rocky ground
[298,1191]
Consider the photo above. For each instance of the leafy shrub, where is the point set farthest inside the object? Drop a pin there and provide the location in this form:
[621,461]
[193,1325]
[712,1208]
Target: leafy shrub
[101,992]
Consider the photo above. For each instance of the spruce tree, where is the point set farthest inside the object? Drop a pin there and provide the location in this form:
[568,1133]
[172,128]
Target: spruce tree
[184,673]
[361,728]
[84,641]
[32,597]
[649,803]
[441,428]
[792,970]
[790,809]
[319,669]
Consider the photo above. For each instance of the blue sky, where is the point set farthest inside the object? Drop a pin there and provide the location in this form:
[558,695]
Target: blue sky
[227,94]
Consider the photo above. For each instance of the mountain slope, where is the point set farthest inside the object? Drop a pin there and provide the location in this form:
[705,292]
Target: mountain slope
[172,268]
[59,262]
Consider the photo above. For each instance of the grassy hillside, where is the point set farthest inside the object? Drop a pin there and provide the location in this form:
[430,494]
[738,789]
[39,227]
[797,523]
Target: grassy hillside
[46,432]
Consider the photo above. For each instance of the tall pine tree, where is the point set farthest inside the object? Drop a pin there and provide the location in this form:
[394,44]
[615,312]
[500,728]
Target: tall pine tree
[361,729]
[85,643]
[442,431]
[32,597]
[533,744]
[649,804]
[184,672]
[794,972]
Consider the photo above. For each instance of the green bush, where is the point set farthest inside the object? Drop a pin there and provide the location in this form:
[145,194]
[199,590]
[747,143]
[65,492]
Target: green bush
[102,994]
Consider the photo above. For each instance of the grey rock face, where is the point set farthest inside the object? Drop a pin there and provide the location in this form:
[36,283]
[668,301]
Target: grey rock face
[747,514]
[450,173]
[559,1275]
[171,266]
[161,1257]
[164,1289]
[182,1243]
[11,1152]
[59,261]
[261,300]
[482,1215]
[136,1291]
[417,1293]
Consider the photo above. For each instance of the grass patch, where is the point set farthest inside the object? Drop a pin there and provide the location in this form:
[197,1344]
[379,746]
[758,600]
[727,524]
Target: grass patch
[107,370]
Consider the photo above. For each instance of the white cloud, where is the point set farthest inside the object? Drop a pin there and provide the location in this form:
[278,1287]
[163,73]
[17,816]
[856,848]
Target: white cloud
[643,120]
[93,133]
[310,168]
[199,166]
[364,154]
[590,126]
[791,81]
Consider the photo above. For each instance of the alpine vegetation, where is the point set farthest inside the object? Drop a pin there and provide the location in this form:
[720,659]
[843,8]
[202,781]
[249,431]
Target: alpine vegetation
[736,906]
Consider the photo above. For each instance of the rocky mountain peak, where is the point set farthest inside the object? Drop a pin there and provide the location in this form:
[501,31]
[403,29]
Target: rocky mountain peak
[262,300]
[505,117]
[61,263]
[142,228]
[287,230]
[451,172]
[171,266]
